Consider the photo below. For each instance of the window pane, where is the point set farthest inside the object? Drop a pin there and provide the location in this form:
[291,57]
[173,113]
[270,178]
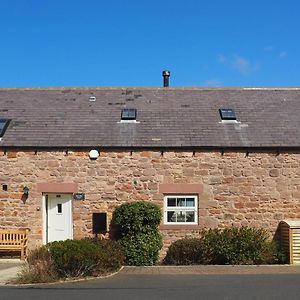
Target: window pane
[190,216]
[171,201]
[171,216]
[181,202]
[59,208]
[180,216]
[190,202]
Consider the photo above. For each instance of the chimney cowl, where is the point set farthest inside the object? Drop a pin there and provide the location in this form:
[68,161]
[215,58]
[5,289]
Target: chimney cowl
[166,75]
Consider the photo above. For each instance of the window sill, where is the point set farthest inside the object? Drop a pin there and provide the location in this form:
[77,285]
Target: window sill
[180,227]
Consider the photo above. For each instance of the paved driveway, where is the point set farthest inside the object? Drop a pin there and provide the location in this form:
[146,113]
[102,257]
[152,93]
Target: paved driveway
[142,286]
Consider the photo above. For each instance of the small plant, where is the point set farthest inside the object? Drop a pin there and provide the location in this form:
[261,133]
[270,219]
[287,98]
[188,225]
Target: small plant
[242,245]
[72,258]
[39,268]
[138,232]
[229,246]
[111,256]
[188,251]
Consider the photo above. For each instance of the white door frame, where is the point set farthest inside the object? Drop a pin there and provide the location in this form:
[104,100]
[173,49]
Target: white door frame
[45,221]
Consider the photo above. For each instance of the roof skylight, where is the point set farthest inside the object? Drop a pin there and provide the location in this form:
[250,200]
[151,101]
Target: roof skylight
[128,114]
[3,126]
[227,114]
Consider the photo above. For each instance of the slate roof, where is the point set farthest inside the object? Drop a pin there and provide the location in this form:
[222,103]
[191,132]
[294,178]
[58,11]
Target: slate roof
[172,117]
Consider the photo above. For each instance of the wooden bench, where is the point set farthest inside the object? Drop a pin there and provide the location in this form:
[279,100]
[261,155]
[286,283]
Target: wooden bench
[14,240]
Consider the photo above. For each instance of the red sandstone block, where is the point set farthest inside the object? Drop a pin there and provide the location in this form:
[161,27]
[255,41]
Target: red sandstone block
[230,154]
[199,154]
[274,173]
[239,205]
[53,164]
[252,204]
[11,154]
[240,217]
[15,195]
[145,154]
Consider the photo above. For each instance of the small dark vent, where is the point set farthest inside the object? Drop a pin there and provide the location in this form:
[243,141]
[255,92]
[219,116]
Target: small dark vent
[227,114]
[3,126]
[128,114]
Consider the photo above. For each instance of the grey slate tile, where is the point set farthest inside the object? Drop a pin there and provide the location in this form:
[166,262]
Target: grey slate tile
[183,117]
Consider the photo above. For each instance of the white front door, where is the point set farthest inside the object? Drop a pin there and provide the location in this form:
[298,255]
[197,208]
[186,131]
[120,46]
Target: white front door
[58,217]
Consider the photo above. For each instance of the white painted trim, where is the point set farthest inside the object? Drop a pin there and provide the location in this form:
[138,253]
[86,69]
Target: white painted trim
[71,216]
[183,208]
[229,122]
[128,122]
[44,217]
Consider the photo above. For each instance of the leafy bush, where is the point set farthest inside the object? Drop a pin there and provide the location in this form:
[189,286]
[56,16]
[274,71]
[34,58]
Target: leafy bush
[272,253]
[138,227]
[111,256]
[137,217]
[188,251]
[240,246]
[142,249]
[229,246]
[72,258]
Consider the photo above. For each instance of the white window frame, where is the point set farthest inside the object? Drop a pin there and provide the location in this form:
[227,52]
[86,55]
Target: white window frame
[180,208]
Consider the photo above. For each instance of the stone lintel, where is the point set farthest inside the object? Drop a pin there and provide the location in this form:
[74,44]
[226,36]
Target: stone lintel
[180,188]
[46,187]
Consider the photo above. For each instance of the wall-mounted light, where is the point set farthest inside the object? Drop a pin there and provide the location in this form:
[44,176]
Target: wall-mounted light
[26,190]
[25,194]
[94,154]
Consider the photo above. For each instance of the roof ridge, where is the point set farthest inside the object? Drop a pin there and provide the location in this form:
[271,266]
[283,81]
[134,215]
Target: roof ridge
[144,88]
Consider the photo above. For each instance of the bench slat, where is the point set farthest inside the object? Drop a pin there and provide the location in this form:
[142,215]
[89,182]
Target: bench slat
[13,239]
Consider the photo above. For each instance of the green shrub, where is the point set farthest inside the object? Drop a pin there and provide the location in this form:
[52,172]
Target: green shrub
[271,253]
[138,231]
[137,217]
[74,258]
[142,249]
[229,246]
[242,245]
[188,251]
[111,256]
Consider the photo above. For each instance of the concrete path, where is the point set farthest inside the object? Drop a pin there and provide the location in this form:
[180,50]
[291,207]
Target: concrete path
[212,270]
[9,269]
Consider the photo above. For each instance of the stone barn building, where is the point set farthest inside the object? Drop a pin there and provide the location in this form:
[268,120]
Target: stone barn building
[208,157]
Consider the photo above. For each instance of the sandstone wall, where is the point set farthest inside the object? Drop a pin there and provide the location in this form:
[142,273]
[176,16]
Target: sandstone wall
[254,189]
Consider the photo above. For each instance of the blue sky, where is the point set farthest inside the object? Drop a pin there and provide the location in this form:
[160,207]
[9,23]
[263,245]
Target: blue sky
[129,43]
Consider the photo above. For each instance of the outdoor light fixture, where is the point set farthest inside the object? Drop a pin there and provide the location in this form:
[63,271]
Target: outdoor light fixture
[94,154]
[25,190]
[25,194]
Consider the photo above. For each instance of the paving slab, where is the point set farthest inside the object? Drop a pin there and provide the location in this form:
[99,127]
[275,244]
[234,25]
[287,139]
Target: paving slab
[9,269]
[212,269]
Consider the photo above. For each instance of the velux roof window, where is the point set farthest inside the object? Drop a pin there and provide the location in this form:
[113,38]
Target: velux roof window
[3,126]
[128,114]
[227,114]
